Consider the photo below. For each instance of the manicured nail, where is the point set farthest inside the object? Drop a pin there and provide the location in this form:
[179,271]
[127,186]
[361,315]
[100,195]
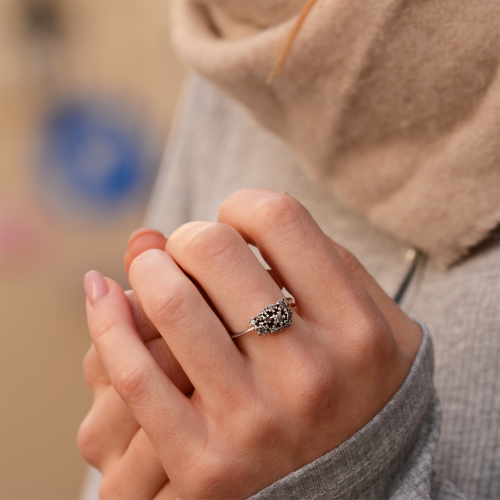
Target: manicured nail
[141,231]
[95,286]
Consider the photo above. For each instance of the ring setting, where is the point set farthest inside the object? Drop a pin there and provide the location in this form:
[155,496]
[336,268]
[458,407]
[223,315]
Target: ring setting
[272,319]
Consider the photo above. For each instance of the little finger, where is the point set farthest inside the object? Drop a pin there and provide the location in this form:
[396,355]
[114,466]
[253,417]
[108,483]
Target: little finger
[407,333]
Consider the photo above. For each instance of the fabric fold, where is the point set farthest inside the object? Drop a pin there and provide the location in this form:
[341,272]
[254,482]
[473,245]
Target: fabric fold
[394,105]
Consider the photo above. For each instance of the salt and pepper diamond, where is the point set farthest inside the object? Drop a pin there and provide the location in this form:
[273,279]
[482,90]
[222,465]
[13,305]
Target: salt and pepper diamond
[273,318]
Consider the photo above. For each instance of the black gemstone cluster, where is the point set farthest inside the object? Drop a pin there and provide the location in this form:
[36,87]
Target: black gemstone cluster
[273,318]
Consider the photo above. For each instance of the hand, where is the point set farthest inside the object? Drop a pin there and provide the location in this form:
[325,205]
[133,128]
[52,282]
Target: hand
[110,438]
[262,407]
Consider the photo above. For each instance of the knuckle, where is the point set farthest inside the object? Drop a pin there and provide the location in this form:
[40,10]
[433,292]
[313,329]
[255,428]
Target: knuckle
[312,388]
[172,305]
[280,213]
[371,340]
[351,262]
[142,261]
[211,474]
[210,244]
[131,381]
[256,419]
[315,389]
[264,423]
[103,325]
[109,489]
[87,441]
[105,492]
[234,201]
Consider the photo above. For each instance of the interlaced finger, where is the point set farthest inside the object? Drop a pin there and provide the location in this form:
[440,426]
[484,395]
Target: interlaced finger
[237,284]
[283,229]
[192,331]
[135,374]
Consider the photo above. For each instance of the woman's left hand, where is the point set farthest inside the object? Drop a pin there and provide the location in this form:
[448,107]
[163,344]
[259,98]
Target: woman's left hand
[262,407]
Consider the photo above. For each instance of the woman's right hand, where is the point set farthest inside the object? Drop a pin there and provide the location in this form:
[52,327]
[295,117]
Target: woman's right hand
[110,437]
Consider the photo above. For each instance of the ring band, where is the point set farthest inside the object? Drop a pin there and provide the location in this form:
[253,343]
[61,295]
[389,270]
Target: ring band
[272,319]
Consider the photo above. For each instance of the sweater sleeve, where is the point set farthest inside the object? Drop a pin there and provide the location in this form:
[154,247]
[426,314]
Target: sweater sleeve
[390,458]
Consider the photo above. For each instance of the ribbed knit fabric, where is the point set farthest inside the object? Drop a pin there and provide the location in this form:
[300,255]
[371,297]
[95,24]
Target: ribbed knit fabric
[462,308]
[215,150]
[389,458]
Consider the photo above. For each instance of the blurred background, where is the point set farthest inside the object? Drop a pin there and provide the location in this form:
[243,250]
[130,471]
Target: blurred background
[87,92]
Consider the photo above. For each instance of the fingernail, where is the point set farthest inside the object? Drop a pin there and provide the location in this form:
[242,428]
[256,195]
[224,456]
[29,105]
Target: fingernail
[95,286]
[141,231]
[284,192]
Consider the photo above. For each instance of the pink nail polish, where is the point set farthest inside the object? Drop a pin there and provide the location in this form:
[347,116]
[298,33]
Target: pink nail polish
[95,286]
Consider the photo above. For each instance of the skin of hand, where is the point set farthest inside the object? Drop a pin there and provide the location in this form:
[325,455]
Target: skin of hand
[122,444]
[261,406]
[110,438]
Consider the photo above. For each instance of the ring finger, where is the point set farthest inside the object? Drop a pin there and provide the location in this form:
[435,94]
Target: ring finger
[233,278]
[283,229]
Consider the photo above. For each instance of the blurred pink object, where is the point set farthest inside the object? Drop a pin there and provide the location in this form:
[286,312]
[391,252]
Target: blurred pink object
[28,234]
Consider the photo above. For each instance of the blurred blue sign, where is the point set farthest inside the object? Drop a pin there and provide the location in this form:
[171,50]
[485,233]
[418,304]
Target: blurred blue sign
[98,149]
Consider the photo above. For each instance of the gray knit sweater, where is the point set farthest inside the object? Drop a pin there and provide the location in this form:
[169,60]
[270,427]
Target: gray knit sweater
[415,447]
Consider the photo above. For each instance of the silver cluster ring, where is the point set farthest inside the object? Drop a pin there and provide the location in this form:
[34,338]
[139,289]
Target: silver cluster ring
[272,319]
